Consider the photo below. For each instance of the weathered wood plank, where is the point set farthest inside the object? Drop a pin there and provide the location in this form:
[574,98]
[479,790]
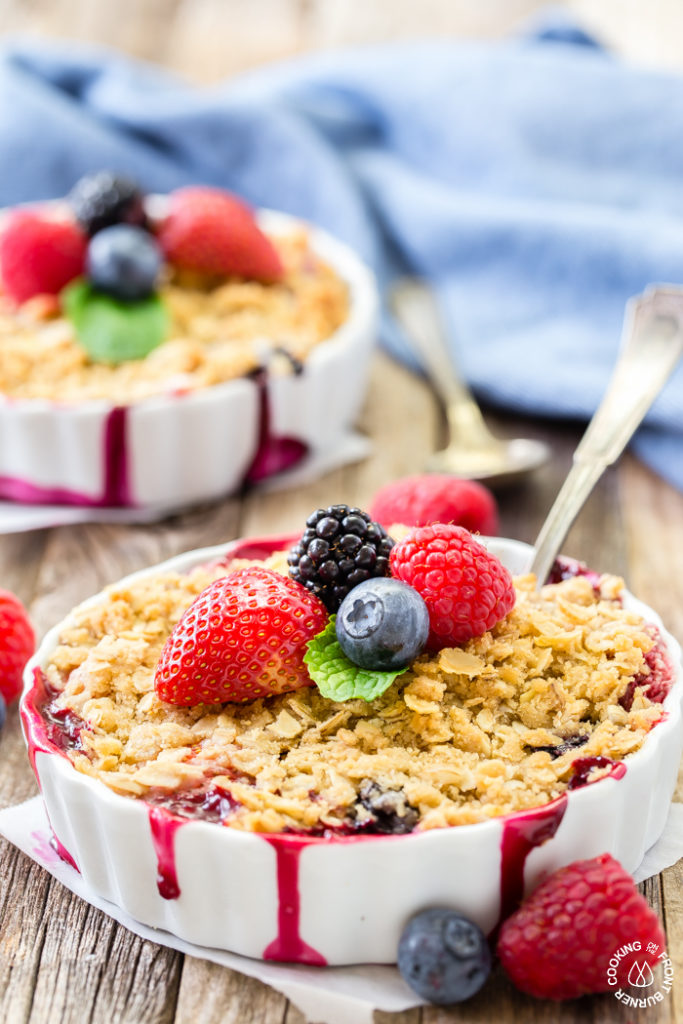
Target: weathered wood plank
[86,959]
[211,994]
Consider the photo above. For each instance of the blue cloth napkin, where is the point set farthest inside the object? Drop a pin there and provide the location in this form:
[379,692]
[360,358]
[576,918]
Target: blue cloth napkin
[537,183]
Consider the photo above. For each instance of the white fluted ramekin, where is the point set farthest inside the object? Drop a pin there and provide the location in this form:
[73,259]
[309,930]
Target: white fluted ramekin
[340,900]
[176,449]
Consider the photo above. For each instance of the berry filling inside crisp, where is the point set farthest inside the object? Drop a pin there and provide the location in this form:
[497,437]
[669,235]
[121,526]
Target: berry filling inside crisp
[550,698]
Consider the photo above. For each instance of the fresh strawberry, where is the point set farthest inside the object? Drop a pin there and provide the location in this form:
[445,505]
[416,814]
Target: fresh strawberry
[467,590]
[39,256]
[214,232]
[567,939]
[17,643]
[436,498]
[244,637]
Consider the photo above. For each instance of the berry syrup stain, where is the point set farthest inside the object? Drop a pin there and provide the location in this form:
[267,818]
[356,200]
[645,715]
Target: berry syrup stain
[167,812]
[273,454]
[289,946]
[116,488]
[564,568]
[522,833]
[583,766]
[49,732]
[163,827]
[215,806]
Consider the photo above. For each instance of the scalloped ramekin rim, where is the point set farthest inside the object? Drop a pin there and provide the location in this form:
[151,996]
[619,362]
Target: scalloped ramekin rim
[669,722]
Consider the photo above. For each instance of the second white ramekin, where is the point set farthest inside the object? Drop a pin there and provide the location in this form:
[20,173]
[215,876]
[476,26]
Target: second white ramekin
[177,449]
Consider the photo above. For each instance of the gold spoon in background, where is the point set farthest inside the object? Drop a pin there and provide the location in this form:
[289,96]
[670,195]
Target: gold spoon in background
[652,345]
[473,452]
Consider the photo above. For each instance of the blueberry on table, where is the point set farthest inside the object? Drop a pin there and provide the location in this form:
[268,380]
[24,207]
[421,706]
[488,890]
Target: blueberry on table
[443,957]
[103,199]
[3,711]
[382,624]
[124,262]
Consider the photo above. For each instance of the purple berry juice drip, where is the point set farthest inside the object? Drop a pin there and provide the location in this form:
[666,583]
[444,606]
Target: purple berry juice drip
[62,852]
[116,484]
[273,454]
[522,833]
[163,827]
[288,946]
[49,732]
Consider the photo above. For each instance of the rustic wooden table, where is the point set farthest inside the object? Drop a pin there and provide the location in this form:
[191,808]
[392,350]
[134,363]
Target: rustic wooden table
[61,962]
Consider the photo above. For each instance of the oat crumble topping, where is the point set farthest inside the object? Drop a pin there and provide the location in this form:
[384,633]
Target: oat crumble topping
[218,333]
[461,736]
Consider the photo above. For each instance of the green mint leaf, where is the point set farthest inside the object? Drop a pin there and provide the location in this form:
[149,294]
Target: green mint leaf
[338,678]
[111,331]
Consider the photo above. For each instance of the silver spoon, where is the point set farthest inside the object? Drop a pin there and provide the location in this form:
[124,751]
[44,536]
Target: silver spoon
[652,344]
[473,451]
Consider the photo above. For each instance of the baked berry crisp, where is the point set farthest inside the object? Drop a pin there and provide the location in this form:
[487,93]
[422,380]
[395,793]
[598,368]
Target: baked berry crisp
[549,697]
[99,300]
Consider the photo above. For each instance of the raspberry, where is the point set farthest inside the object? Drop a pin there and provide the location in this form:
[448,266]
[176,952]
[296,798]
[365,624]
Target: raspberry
[340,548]
[436,498]
[658,678]
[103,199]
[562,940]
[17,643]
[39,256]
[467,590]
[213,232]
[244,637]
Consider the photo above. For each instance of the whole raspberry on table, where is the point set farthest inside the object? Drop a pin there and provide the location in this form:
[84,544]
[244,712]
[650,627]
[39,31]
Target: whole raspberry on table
[436,498]
[214,232]
[467,590]
[563,941]
[39,255]
[243,637]
[17,644]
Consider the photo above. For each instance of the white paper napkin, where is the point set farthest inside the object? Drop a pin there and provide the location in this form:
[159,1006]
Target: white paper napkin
[17,518]
[325,995]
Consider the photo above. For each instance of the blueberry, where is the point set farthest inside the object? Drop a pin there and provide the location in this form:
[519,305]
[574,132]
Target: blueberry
[444,957]
[382,624]
[3,711]
[124,262]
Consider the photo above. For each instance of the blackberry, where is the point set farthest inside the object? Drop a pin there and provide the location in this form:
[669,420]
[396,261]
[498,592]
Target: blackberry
[340,548]
[570,743]
[103,199]
[391,812]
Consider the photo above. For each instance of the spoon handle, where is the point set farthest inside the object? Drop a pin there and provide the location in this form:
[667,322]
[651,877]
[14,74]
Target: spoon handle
[652,344]
[415,305]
